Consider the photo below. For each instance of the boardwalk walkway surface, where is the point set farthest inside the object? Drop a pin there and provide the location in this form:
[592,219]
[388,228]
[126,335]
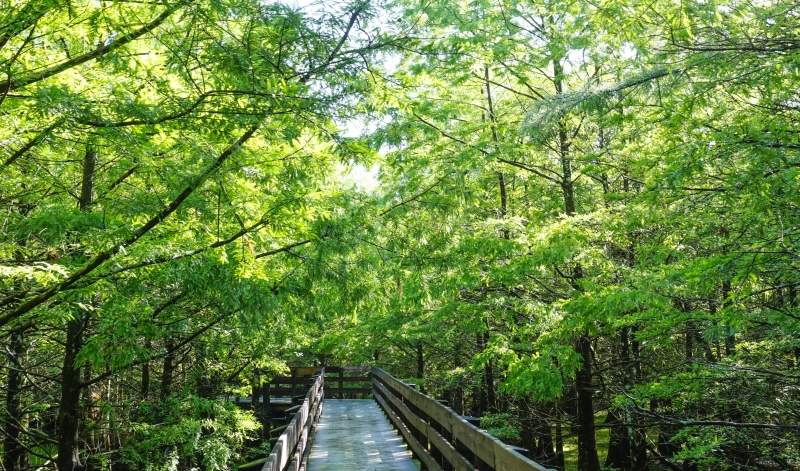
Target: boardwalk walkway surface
[354,435]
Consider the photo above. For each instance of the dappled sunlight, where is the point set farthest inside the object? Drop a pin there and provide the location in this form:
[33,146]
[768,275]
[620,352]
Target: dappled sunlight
[353,435]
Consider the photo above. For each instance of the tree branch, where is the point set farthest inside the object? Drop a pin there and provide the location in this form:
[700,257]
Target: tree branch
[104,256]
[14,84]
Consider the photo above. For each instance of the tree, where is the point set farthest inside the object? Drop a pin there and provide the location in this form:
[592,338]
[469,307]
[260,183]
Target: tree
[204,132]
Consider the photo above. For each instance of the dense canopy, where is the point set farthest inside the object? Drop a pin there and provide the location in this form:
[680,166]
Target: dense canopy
[578,220]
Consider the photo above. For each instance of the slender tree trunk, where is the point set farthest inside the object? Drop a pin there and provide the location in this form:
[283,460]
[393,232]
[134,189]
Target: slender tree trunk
[255,401]
[730,339]
[665,433]
[69,410]
[145,392]
[792,305]
[636,431]
[266,408]
[420,361]
[87,180]
[12,417]
[87,412]
[560,461]
[587,443]
[167,371]
[545,452]
[481,399]
[491,396]
[458,390]
[618,456]
[619,446]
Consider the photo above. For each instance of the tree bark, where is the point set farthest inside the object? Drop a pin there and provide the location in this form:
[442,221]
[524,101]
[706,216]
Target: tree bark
[501,179]
[69,407]
[70,412]
[587,443]
[793,304]
[420,361]
[145,392]
[87,180]
[491,396]
[12,418]
[166,372]
[560,462]
[619,445]
[730,339]
[636,431]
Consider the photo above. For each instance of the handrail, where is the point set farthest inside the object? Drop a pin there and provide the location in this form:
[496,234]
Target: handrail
[292,448]
[440,438]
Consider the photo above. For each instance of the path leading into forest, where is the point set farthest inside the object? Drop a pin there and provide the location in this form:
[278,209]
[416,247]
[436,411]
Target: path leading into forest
[354,435]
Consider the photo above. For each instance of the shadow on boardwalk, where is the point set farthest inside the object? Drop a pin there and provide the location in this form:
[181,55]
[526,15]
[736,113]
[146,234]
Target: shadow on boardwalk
[354,435]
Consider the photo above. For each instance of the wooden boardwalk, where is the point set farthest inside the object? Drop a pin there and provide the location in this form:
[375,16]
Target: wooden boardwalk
[354,435]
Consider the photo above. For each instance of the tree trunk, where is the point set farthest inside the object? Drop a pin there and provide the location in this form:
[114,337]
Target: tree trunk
[665,432]
[145,392]
[543,434]
[69,410]
[12,418]
[560,462]
[636,432]
[618,456]
[620,435]
[166,372]
[793,304]
[730,339]
[420,361]
[255,404]
[587,444]
[501,179]
[491,396]
[87,180]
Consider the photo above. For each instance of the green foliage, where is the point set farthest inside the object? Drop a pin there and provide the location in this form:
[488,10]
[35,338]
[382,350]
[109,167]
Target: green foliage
[212,431]
[176,185]
[501,426]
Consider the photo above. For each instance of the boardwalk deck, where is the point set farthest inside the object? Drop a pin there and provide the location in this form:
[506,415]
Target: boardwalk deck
[354,435]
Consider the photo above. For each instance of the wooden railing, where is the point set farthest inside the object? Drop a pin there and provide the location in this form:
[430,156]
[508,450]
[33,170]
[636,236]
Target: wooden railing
[438,437]
[441,439]
[290,452]
[359,380]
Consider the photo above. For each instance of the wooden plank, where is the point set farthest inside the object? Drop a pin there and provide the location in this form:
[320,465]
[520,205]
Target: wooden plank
[310,429]
[281,380]
[506,459]
[473,438]
[356,369]
[423,454]
[448,451]
[274,457]
[306,370]
[433,409]
[289,437]
[352,379]
[291,444]
[489,449]
[453,457]
[282,392]
[348,390]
